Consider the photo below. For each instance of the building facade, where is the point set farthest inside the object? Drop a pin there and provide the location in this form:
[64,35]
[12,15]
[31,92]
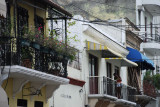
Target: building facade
[30,68]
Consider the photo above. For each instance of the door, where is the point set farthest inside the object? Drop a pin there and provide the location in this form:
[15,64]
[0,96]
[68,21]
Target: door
[93,72]
[109,79]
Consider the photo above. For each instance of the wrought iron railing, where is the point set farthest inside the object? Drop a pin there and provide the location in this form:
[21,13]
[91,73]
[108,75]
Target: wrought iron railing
[34,56]
[105,85]
[102,85]
[149,88]
[109,86]
[155,38]
[128,93]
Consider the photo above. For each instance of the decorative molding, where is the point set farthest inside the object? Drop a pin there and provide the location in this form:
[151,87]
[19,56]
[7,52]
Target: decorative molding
[18,83]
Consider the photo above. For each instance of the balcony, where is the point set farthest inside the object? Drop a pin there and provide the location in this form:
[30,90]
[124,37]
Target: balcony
[148,94]
[153,6]
[41,54]
[105,88]
[152,45]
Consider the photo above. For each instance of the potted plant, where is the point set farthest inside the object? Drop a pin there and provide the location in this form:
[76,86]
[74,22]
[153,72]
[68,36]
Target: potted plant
[26,57]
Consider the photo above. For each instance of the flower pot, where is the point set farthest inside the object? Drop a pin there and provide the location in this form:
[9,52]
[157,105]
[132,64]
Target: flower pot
[36,45]
[25,42]
[27,63]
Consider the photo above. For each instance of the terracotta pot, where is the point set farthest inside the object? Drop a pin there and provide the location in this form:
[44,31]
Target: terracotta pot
[27,63]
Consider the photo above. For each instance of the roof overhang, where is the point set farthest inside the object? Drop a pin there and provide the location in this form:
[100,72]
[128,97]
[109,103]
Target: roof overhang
[57,7]
[3,9]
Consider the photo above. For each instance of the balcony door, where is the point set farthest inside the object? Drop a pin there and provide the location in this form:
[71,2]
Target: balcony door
[110,83]
[93,73]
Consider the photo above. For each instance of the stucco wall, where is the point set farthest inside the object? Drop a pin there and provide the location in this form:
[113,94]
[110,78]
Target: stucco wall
[30,99]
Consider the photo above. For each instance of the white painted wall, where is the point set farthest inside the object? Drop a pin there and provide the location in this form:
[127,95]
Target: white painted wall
[69,96]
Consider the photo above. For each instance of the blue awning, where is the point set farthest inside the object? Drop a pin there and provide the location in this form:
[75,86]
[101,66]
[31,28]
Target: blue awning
[135,56]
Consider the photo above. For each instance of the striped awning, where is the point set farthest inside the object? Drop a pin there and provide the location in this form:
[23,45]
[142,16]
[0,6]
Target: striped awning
[104,50]
[108,53]
[3,9]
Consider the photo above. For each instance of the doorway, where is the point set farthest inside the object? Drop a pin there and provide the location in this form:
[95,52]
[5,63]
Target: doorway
[93,73]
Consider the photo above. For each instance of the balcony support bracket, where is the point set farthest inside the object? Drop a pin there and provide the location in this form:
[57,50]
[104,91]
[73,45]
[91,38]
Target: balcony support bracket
[18,83]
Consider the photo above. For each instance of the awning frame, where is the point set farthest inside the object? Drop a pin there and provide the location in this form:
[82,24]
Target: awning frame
[106,53]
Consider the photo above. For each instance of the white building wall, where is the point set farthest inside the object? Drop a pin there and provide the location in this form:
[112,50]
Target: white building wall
[69,96]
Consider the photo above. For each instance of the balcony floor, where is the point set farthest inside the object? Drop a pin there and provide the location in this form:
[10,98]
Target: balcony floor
[151,48]
[105,96]
[17,71]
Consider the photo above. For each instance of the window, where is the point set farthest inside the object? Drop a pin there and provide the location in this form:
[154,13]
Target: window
[93,72]
[22,20]
[39,22]
[109,70]
[38,104]
[139,17]
[151,29]
[21,103]
[145,28]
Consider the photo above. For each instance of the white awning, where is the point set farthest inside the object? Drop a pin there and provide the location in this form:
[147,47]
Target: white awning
[3,98]
[3,8]
[124,61]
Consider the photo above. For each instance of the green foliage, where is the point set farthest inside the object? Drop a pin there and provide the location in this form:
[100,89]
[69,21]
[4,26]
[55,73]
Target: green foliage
[33,33]
[155,79]
[26,54]
[148,76]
